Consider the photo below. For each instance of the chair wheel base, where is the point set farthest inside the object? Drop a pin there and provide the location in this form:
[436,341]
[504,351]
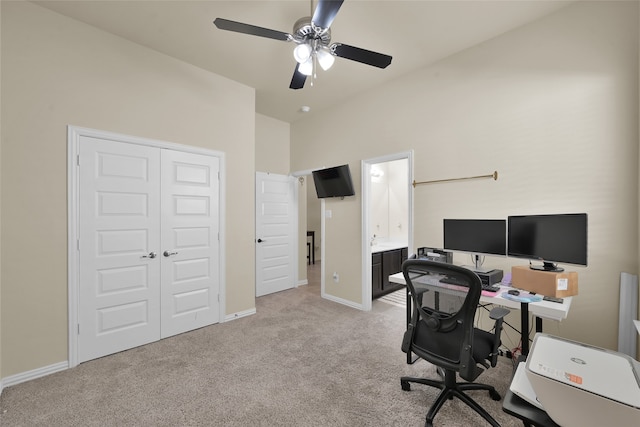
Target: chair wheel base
[494,395]
[405,385]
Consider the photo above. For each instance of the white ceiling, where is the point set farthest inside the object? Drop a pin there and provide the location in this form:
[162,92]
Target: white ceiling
[415,33]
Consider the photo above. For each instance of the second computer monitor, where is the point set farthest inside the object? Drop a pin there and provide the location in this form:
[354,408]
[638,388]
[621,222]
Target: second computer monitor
[476,236]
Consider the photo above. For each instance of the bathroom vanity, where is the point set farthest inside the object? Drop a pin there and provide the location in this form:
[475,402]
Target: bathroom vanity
[386,259]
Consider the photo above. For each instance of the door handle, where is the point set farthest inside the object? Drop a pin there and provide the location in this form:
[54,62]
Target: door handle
[260,240]
[149,255]
[168,254]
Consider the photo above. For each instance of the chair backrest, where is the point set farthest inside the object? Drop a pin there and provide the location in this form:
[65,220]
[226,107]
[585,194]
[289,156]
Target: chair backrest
[445,298]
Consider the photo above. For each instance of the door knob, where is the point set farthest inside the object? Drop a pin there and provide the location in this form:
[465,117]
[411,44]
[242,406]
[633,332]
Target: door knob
[149,255]
[260,240]
[168,254]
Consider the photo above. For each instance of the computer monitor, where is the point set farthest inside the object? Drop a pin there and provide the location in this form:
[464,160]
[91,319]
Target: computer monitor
[476,236]
[548,238]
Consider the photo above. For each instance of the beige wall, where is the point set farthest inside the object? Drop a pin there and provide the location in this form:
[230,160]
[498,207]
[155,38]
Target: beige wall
[58,72]
[272,145]
[552,106]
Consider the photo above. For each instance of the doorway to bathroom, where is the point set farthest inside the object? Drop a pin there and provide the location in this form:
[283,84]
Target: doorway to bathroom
[387,220]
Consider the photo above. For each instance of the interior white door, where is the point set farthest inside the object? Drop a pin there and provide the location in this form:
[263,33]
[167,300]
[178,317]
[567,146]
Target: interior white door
[190,243]
[275,233]
[148,244]
[119,241]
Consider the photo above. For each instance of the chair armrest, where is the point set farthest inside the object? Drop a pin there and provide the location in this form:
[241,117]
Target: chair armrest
[497,313]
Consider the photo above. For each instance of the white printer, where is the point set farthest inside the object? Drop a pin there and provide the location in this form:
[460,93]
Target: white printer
[581,385]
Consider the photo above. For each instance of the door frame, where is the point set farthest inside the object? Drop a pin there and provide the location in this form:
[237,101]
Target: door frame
[74,133]
[366,217]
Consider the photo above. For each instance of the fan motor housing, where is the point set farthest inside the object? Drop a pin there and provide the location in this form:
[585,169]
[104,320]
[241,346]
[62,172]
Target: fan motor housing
[304,30]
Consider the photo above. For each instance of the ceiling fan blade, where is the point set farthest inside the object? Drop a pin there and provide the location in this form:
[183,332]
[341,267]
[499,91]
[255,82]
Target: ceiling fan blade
[361,55]
[298,79]
[325,12]
[239,27]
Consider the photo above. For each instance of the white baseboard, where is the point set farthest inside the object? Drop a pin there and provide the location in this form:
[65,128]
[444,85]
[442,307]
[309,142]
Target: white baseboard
[302,282]
[239,314]
[32,375]
[343,301]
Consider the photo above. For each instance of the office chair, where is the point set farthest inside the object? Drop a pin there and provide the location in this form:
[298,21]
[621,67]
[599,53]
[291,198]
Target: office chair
[442,331]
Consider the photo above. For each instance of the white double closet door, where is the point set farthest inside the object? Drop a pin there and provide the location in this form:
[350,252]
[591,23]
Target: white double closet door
[148,244]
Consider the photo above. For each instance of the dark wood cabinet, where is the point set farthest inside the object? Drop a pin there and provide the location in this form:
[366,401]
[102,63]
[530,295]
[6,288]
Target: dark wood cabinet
[391,264]
[376,275]
[384,264]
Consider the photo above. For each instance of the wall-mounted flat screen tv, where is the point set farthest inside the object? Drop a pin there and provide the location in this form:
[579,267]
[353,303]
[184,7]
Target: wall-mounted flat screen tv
[333,182]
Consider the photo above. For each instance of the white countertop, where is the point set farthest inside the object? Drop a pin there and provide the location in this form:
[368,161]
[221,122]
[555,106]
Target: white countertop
[387,246]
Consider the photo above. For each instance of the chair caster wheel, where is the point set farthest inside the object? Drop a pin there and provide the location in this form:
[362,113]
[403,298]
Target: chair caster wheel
[405,385]
[494,395]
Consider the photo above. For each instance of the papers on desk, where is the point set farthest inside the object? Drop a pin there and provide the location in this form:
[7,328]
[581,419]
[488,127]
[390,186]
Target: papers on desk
[522,297]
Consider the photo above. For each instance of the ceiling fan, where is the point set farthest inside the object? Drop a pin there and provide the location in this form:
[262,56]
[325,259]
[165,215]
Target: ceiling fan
[312,36]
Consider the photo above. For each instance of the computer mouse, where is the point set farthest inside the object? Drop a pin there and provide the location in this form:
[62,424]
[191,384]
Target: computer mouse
[513,292]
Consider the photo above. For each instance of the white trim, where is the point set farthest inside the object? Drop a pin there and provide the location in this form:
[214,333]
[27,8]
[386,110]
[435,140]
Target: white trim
[295,213]
[323,265]
[73,139]
[367,294]
[366,196]
[239,314]
[33,374]
[303,282]
[298,174]
[344,302]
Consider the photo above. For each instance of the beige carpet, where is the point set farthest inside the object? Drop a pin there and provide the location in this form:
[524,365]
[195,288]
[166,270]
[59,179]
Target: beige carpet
[300,361]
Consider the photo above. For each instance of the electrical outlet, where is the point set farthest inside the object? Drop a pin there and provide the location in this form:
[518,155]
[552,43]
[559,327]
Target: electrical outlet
[336,277]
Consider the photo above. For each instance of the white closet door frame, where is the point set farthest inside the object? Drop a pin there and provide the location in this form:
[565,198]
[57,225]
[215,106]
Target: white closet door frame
[73,139]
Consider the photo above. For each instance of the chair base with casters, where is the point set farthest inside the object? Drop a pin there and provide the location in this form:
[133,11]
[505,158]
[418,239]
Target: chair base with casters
[450,389]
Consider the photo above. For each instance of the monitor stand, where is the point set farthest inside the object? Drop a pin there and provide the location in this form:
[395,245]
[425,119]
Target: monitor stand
[478,265]
[547,266]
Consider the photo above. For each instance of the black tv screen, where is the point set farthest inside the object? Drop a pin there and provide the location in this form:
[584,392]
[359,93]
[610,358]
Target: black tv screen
[333,182]
[549,238]
[477,236]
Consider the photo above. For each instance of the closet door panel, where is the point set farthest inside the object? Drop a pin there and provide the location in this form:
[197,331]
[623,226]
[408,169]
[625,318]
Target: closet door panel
[190,245]
[119,230]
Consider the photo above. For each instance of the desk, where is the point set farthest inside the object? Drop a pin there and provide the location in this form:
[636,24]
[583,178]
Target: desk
[540,310]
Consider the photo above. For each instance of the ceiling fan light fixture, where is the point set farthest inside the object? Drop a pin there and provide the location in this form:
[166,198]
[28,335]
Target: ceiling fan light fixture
[325,58]
[306,68]
[302,53]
